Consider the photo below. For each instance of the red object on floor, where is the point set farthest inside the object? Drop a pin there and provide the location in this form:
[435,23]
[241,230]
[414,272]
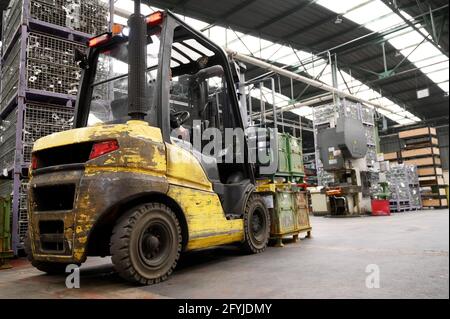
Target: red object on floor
[380,207]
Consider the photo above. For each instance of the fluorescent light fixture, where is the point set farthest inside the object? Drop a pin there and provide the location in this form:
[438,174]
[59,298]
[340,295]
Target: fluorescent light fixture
[421,94]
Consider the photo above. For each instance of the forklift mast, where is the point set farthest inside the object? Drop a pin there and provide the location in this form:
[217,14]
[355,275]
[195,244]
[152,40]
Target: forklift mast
[136,59]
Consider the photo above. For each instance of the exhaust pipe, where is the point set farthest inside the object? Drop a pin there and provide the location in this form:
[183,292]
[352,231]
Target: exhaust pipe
[137,103]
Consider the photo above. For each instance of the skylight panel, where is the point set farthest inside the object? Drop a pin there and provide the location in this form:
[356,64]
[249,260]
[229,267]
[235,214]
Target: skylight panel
[424,51]
[193,43]
[437,67]
[444,86]
[304,111]
[430,60]
[340,6]
[406,121]
[383,23]
[406,39]
[365,13]
[439,76]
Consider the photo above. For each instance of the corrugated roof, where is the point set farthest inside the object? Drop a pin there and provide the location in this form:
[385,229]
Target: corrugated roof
[308,26]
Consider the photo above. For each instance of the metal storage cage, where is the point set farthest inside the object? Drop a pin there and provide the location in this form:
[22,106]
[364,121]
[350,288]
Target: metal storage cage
[84,16]
[50,64]
[8,141]
[10,76]
[11,22]
[404,188]
[23,212]
[39,82]
[41,120]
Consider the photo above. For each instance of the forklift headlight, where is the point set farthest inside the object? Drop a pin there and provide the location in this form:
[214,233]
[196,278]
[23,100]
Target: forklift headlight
[126,31]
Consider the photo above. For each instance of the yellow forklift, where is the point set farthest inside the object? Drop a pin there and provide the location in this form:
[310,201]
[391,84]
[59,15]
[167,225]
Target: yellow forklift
[128,180]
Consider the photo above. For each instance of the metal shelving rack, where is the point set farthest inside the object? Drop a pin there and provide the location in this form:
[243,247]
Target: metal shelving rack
[39,82]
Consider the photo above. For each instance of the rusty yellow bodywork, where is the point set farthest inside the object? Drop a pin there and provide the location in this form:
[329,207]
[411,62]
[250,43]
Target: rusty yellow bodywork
[143,164]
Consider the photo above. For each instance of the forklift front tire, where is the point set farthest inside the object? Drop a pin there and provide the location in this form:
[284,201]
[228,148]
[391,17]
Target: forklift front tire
[146,244]
[256,225]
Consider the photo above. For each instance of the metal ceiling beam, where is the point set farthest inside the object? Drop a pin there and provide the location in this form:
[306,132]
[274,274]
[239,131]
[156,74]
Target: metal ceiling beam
[393,7]
[286,13]
[295,76]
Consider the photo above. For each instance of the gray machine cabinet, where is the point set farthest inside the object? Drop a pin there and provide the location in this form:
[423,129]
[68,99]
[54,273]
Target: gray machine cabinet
[345,141]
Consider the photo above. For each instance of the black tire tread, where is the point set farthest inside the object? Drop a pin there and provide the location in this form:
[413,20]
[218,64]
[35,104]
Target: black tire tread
[120,242]
[247,244]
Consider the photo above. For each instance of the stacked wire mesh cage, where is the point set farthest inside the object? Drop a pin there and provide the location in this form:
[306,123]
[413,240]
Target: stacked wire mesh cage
[404,188]
[39,83]
[326,116]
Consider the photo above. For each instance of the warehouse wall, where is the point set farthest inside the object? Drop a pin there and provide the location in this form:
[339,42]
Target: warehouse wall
[391,143]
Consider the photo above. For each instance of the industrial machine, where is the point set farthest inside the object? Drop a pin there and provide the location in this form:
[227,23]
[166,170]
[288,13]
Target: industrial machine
[342,150]
[132,179]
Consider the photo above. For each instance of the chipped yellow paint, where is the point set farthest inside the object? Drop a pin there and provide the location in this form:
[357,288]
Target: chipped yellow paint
[143,151]
[205,218]
[91,170]
[215,240]
[184,169]
[138,129]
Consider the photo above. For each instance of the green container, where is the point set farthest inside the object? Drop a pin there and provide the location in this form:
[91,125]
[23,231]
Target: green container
[296,156]
[5,229]
[283,154]
[284,216]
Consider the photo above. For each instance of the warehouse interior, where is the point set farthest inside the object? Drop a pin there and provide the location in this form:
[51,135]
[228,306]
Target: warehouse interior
[352,97]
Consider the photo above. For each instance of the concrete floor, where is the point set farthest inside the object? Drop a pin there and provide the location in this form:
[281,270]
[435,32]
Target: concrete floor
[410,249]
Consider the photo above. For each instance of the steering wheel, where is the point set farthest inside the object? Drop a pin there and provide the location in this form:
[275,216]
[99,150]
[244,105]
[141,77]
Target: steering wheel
[178,118]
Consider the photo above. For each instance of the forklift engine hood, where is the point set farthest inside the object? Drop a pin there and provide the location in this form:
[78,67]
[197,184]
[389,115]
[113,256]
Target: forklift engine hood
[71,190]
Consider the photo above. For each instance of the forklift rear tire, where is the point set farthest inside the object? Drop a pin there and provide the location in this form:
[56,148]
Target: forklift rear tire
[51,268]
[146,244]
[256,225]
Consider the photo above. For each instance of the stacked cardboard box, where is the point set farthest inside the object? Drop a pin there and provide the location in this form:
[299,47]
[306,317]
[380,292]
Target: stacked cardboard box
[420,148]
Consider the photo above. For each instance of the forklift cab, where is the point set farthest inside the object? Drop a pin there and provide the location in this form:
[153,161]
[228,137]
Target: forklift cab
[189,93]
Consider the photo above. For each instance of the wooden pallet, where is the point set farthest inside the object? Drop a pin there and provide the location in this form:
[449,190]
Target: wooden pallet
[428,143]
[390,156]
[426,161]
[431,181]
[417,132]
[440,193]
[434,202]
[420,152]
[428,171]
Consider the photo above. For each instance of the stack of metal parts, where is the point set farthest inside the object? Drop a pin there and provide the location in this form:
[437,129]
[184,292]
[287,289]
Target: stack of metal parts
[81,16]
[39,82]
[50,64]
[8,141]
[404,188]
[41,120]
[326,115]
